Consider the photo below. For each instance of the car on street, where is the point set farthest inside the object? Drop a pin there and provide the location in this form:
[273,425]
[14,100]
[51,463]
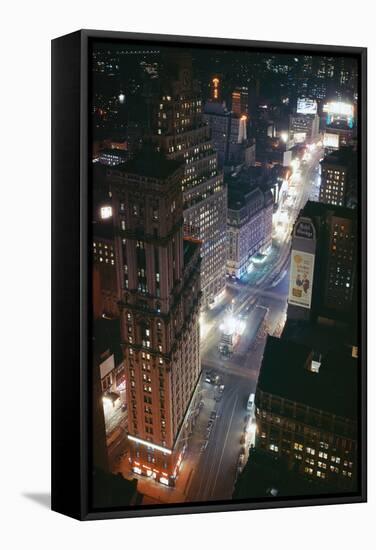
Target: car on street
[213,415]
[272,491]
[204,445]
[251,402]
[240,462]
[208,376]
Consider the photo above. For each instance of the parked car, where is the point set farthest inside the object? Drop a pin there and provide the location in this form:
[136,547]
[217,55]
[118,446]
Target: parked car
[208,376]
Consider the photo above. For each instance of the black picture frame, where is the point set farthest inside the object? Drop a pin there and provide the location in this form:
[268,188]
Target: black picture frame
[71,286]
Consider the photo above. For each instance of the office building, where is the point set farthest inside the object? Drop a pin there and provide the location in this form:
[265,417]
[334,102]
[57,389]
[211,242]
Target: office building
[249,224]
[160,304]
[181,133]
[303,128]
[323,268]
[239,100]
[229,135]
[112,156]
[339,178]
[217,117]
[106,288]
[306,411]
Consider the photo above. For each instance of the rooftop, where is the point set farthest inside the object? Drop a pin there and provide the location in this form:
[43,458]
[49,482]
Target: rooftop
[333,389]
[343,156]
[113,151]
[239,195]
[314,209]
[150,165]
[106,333]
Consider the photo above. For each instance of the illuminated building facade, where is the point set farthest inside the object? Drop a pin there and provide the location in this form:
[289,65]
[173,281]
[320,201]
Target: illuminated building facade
[160,306]
[338,177]
[306,412]
[324,241]
[239,100]
[181,133]
[105,279]
[112,157]
[303,128]
[238,130]
[249,225]
[340,132]
[218,118]
[228,133]
[105,276]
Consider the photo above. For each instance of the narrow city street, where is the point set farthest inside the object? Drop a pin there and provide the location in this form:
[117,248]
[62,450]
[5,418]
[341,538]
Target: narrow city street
[261,300]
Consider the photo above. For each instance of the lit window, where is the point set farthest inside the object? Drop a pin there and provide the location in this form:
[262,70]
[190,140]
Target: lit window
[106,212]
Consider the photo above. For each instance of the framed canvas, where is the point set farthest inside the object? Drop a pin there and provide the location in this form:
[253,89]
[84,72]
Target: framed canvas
[209,274]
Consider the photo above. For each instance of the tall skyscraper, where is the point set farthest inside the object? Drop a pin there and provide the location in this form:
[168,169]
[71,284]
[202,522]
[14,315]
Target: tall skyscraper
[323,269]
[180,133]
[239,100]
[159,308]
[339,178]
[218,118]
[105,280]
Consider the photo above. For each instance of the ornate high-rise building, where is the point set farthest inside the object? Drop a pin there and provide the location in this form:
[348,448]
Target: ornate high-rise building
[159,311]
[180,132]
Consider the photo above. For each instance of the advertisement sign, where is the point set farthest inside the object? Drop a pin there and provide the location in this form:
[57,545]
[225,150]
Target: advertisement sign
[339,108]
[331,140]
[107,366]
[287,158]
[301,278]
[299,137]
[306,106]
[304,228]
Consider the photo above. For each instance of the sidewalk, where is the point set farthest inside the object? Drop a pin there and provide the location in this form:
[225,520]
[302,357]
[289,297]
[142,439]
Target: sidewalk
[154,492]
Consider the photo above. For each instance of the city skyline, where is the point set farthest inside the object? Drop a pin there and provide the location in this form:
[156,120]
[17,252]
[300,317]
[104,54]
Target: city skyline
[225,231]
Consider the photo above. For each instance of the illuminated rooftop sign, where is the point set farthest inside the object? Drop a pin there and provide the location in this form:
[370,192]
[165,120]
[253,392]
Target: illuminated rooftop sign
[149,444]
[306,106]
[339,108]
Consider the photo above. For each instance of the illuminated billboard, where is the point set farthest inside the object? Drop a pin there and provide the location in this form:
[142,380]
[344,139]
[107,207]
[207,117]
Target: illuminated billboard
[301,278]
[299,137]
[339,108]
[331,140]
[306,106]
